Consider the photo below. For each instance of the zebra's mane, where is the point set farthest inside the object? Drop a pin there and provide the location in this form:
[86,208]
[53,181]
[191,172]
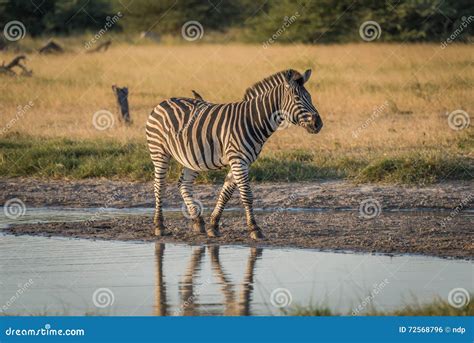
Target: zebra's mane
[269,82]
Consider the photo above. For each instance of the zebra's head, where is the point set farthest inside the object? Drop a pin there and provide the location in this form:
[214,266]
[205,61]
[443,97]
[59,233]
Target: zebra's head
[297,106]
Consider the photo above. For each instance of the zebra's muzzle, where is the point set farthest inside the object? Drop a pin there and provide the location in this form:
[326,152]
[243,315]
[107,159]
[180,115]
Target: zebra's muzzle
[315,126]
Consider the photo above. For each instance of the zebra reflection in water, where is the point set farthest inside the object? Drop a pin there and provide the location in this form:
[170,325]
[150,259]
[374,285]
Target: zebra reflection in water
[234,303]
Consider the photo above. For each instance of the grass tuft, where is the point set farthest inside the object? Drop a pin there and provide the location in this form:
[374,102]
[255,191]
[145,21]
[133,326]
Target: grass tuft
[418,168]
[437,307]
[26,156]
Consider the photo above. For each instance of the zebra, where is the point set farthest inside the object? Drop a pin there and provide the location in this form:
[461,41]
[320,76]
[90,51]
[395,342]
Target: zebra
[204,136]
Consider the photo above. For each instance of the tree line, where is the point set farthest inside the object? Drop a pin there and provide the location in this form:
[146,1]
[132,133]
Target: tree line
[306,21]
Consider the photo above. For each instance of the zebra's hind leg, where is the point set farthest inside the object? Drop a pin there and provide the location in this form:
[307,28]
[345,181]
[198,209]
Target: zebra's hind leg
[240,170]
[185,185]
[224,196]
[160,161]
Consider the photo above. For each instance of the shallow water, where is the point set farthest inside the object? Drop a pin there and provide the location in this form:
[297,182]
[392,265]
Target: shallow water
[73,277]
[64,214]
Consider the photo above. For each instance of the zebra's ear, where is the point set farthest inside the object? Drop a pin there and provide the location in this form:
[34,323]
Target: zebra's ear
[301,79]
[306,75]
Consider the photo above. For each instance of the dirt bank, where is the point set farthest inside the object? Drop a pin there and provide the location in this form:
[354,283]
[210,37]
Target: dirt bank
[327,194]
[389,231]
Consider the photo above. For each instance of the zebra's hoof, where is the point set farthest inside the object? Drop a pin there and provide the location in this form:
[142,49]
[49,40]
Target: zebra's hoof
[213,232]
[256,235]
[161,232]
[199,226]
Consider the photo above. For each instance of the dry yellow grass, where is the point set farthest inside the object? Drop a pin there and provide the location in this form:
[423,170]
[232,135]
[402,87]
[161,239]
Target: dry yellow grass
[348,83]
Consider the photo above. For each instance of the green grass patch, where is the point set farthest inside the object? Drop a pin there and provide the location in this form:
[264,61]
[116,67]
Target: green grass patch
[438,307]
[417,168]
[23,156]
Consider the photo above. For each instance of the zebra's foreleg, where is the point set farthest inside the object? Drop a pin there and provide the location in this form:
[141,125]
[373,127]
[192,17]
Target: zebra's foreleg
[224,196]
[185,185]
[240,171]
[161,167]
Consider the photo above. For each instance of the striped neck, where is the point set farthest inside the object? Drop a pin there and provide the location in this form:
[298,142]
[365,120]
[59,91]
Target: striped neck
[266,112]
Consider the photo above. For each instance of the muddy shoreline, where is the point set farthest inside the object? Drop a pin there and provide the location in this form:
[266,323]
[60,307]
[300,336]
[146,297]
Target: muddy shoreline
[323,194]
[392,232]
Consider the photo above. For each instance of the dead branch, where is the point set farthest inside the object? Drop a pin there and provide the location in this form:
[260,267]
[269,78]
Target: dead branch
[16,62]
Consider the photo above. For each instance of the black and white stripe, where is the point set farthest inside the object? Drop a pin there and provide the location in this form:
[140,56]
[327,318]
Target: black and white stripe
[204,136]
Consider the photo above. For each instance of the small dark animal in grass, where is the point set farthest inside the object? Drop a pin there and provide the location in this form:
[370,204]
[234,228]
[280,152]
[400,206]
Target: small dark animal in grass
[204,136]
[197,95]
[51,48]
